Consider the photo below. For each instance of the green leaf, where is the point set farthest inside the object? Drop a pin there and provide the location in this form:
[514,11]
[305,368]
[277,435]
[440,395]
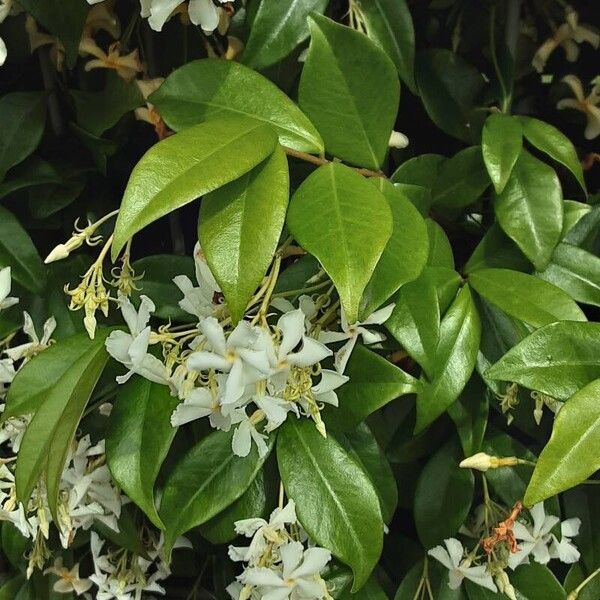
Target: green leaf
[22,121]
[204,482]
[421,170]
[404,255]
[372,590]
[345,222]
[440,250]
[530,209]
[99,111]
[577,575]
[573,452]
[582,502]
[139,435]
[33,172]
[18,252]
[438,580]
[209,88]
[496,250]
[585,232]
[363,447]
[47,200]
[525,297]
[575,271]
[66,388]
[454,362]
[557,359]
[342,69]
[461,179]
[574,212]
[449,87]
[277,28]
[501,143]
[253,503]
[415,321]
[10,590]
[187,165]
[418,195]
[336,502]
[157,283]
[389,24]
[443,496]
[470,415]
[14,546]
[373,383]
[239,229]
[63,18]
[555,144]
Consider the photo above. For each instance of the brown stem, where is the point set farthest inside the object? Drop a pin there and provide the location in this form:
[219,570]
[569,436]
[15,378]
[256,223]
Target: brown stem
[319,161]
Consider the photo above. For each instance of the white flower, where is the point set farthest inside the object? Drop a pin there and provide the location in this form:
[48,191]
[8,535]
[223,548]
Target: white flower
[533,538]
[246,433]
[13,429]
[568,35]
[201,12]
[131,349]
[353,332]
[233,355]
[201,402]
[203,300]
[452,558]
[565,550]
[68,580]
[299,576]
[296,348]
[35,345]
[262,532]
[3,52]
[587,105]
[5,283]
[5,7]
[7,371]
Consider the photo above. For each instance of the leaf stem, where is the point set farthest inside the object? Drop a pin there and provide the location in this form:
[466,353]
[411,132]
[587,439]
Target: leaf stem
[320,161]
[306,290]
[575,593]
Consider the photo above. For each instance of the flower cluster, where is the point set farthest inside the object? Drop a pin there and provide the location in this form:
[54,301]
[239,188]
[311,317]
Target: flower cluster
[276,563]
[534,539]
[248,377]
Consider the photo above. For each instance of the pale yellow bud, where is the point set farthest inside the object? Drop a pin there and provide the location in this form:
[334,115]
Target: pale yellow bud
[480,461]
[60,252]
[398,140]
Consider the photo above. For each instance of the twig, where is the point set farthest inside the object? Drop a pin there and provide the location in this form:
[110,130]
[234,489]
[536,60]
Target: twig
[320,161]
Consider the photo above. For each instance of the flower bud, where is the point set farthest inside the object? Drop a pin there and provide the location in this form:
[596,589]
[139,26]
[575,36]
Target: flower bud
[58,253]
[480,461]
[398,140]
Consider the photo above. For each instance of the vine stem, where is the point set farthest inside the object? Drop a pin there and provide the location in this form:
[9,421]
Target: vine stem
[575,593]
[320,161]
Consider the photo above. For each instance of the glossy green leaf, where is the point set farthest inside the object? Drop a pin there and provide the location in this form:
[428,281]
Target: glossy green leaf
[373,383]
[455,357]
[438,580]
[470,415]
[277,28]
[577,575]
[420,170]
[372,590]
[585,232]
[210,88]
[363,446]
[449,88]
[582,502]
[32,173]
[99,111]
[187,165]
[66,386]
[10,590]
[525,297]
[389,24]
[573,452]
[64,18]
[501,143]
[443,496]
[574,212]
[404,255]
[18,252]
[22,120]
[345,222]
[239,229]
[575,271]
[530,209]
[342,69]
[418,195]
[496,250]
[14,546]
[461,179]
[336,502]
[254,503]
[157,283]
[204,482]
[138,439]
[415,321]
[554,143]
[440,250]
[556,360]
